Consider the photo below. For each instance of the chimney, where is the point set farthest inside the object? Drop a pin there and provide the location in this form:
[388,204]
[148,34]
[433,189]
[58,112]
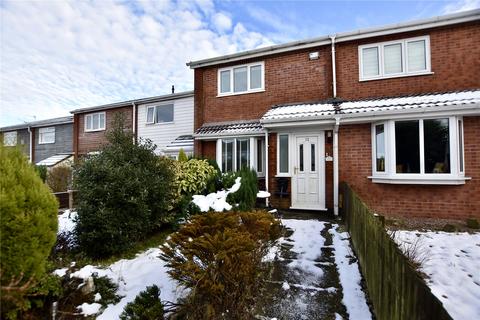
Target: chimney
[173,89]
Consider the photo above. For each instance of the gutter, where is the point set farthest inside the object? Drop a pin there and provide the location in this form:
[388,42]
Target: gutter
[31,143]
[134,121]
[335,166]
[334,71]
[266,165]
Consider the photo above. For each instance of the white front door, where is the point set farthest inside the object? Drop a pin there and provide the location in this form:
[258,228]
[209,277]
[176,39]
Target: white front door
[308,183]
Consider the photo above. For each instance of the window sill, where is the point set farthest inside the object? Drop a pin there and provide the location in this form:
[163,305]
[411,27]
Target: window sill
[220,95]
[96,130]
[420,180]
[283,175]
[46,142]
[424,73]
[159,123]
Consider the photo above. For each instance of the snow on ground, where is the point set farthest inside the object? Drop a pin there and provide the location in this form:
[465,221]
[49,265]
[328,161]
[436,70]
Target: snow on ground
[89,309]
[133,276]
[350,277]
[263,194]
[217,200]
[452,263]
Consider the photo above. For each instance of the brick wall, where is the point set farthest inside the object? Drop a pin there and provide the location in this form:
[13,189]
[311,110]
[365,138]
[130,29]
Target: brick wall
[85,142]
[459,201]
[455,61]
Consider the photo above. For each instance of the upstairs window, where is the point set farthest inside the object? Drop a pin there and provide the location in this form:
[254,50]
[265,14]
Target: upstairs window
[46,135]
[394,58]
[160,114]
[95,122]
[10,138]
[241,79]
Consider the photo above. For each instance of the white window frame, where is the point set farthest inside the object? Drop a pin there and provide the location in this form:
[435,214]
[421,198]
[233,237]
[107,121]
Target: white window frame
[288,173]
[154,107]
[381,67]
[15,139]
[41,135]
[249,90]
[252,153]
[391,176]
[90,116]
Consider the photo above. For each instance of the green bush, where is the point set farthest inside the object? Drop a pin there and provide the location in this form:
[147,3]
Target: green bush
[146,306]
[27,231]
[246,196]
[42,172]
[59,178]
[182,157]
[123,194]
[191,176]
[218,256]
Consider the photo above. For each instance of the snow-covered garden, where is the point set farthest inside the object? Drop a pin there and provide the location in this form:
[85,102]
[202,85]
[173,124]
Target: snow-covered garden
[451,264]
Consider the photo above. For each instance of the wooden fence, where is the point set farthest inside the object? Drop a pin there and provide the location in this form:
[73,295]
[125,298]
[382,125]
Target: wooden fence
[396,290]
[66,200]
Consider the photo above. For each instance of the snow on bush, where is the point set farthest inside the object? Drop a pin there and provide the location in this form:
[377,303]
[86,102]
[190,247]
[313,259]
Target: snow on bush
[216,201]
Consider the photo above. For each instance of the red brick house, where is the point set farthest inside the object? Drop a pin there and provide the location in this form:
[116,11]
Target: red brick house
[394,111]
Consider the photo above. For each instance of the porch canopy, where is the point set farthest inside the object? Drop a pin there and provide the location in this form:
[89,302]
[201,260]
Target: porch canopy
[229,129]
[54,160]
[457,102]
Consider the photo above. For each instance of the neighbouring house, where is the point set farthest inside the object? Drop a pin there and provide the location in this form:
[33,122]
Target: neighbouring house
[162,119]
[45,142]
[394,111]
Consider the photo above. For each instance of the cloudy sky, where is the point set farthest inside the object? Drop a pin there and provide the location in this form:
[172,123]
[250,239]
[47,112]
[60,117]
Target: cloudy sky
[56,56]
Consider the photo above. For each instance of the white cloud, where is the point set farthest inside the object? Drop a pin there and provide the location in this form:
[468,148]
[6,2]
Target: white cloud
[222,21]
[461,5]
[58,55]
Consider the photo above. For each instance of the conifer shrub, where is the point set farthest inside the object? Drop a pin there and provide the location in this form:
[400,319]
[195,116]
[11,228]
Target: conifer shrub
[59,178]
[146,306]
[42,172]
[246,196]
[182,157]
[218,256]
[28,230]
[123,194]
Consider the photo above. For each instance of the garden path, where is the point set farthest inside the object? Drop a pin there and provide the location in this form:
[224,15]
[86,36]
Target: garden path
[315,274]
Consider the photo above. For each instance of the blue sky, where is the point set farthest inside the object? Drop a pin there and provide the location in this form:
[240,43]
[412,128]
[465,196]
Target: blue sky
[57,56]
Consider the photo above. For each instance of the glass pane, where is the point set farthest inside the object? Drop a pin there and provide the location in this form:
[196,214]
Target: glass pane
[227,155]
[102,120]
[370,62]
[260,155]
[150,113]
[417,60]
[436,146]
[407,147]
[240,79]
[301,157]
[312,155]
[460,143]
[393,58]
[256,77]
[243,153]
[10,138]
[380,147]
[88,119]
[95,120]
[164,113]
[283,153]
[225,81]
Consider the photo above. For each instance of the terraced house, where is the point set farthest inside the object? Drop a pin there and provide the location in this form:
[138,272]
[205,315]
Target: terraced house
[44,142]
[394,111]
[166,120]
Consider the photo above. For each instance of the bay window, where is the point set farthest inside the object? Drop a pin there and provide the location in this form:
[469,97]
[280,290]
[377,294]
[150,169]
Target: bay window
[241,79]
[233,154]
[424,151]
[397,58]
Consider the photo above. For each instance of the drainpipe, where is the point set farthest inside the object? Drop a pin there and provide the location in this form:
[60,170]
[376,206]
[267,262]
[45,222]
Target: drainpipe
[266,165]
[334,72]
[134,119]
[31,144]
[335,166]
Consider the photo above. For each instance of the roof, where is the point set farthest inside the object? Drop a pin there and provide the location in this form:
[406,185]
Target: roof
[359,108]
[240,127]
[39,123]
[53,160]
[455,18]
[128,103]
[181,142]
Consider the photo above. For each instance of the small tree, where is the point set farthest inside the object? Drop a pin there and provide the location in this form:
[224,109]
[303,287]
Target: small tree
[123,194]
[246,196]
[146,306]
[182,156]
[59,178]
[27,230]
